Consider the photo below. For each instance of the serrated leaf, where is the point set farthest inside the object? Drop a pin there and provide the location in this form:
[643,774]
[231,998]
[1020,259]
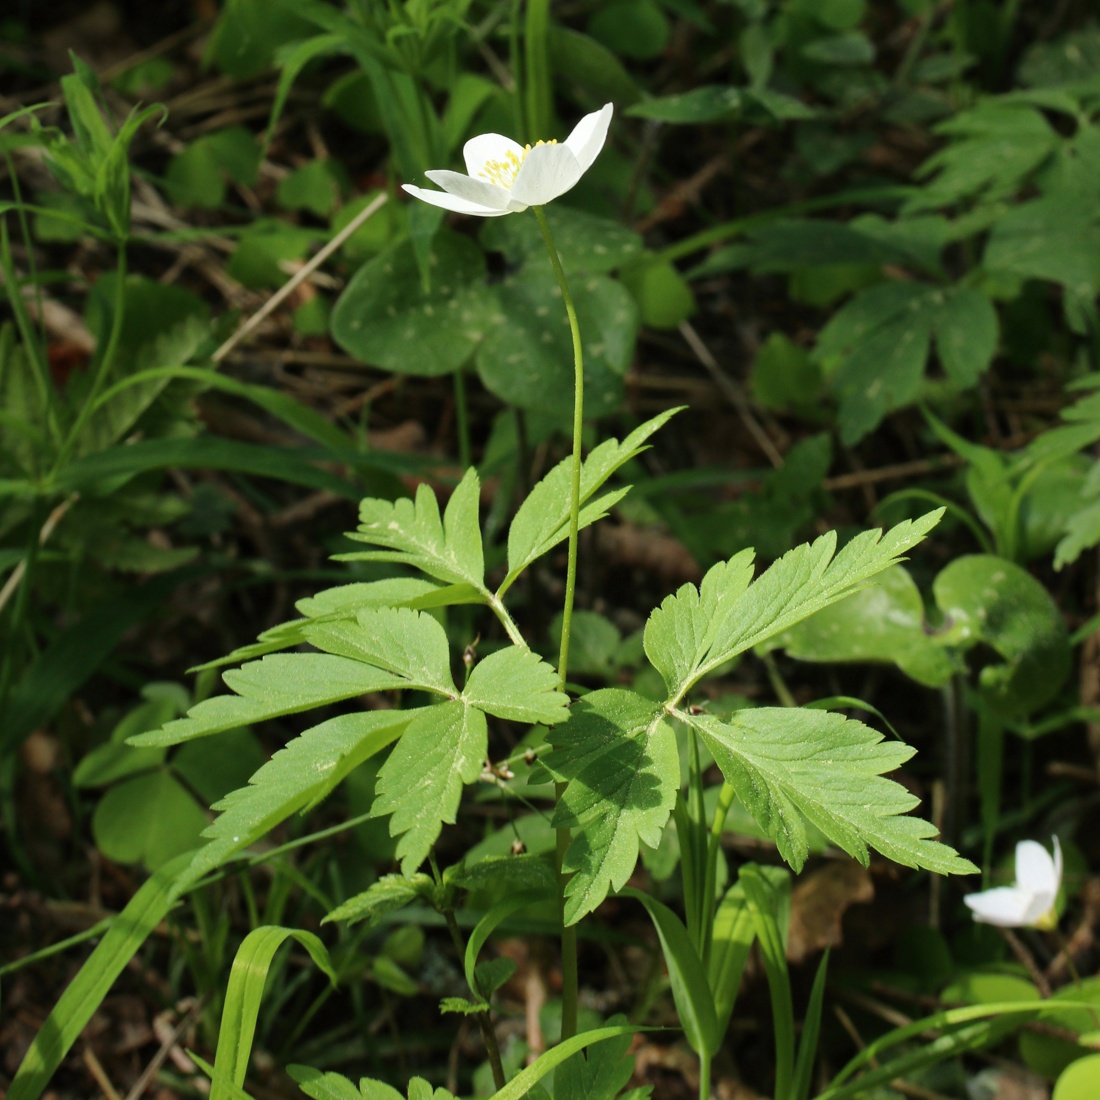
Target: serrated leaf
[413,533]
[421,783]
[284,683]
[516,684]
[618,755]
[523,872]
[387,895]
[695,631]
[599,1076]
[542,520]
[297,776]
[407,643]
[790,765]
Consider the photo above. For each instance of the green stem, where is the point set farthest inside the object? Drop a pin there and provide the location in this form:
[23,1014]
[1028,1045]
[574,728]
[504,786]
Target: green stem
[102,366]
[568,934]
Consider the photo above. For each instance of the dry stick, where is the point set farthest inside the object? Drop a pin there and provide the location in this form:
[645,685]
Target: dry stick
[298,278]
[733,392]
[52,520]
[150,1071]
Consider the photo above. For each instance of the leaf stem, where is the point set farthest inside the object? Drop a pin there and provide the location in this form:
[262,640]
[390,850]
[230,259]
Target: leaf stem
[568,933]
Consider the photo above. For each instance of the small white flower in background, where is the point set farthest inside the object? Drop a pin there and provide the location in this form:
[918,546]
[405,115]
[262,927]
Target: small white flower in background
[506,177]
[1030,902]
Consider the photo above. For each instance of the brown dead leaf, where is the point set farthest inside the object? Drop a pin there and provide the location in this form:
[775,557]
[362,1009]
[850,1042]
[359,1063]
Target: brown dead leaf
[818,904]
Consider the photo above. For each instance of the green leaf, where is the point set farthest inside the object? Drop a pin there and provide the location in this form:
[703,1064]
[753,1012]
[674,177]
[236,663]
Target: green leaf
[389,894]
[283,683]
[993,148]
[601,1075]
[333,1086]
[884,622]
[516,684]
[707,103]
[264,249]
[690,990]
[296,777]
[197,175]
[732,937]
[1080,1080]
[697,630]
[488,925]
[664,297]
[247,978]
[407,643]
[385,317]
[148,819]
[637,29]
[988,599]
[618,755]
[421,783]
[526,358]
[413,533]
[316,187]
[542,520]
[580,60]
[790,765]
[875,348]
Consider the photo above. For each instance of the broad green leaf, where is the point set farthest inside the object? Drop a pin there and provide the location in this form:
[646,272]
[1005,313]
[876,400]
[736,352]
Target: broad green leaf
[389,894]
[884,622]
[407,643]
[697,630]
[577,59]
[421,783]
[148,819]
[874,349]
[332,1086]
[681,632]
[198,175]
[385,317]
[1080,1080]
[992,149]
[264,248]
[638,29]
[516,684]
[619,756]
[413,533]
[790,765]
[690,990]
[986,599]
[283,683]
[75,1007]
[247,978]
[542,520]
[707,103]
[601,1075]
[488,925]
[526,358]
[296,777]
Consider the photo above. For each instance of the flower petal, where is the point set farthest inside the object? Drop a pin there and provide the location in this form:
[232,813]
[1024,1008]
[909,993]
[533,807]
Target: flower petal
[452,202]
[548,171]
[1005,906]
[478,191]
[1035,869]
[478,151]
[588,136]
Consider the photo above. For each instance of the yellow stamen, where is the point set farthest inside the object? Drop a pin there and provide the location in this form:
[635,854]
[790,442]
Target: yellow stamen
[503,172]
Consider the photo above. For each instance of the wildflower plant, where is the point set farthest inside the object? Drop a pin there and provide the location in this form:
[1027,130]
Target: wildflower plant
[613,754]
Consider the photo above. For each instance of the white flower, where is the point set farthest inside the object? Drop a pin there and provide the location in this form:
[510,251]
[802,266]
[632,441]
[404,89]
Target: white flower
[1030,902]
[506,177]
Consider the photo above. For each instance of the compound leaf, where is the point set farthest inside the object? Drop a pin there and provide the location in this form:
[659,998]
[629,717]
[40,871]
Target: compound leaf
[443,748]
[790,765]
[296,777]
[387,895]
[282,683]
[407,643]
[696,630]
[413,533]
[515,683]
[618,754]
[542,521]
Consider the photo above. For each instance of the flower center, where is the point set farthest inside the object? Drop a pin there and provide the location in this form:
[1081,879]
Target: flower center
[503,172]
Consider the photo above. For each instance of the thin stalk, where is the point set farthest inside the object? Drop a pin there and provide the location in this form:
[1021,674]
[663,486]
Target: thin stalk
[487,1034]
[102,368]
[568,933]
[714,848]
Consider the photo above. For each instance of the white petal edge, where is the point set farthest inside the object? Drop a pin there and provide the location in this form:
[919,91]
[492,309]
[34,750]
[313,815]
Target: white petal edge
[1004,906]
[1036,871]
[589,135]
[476,191]
[485,147]
[548,171]
[452,202]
